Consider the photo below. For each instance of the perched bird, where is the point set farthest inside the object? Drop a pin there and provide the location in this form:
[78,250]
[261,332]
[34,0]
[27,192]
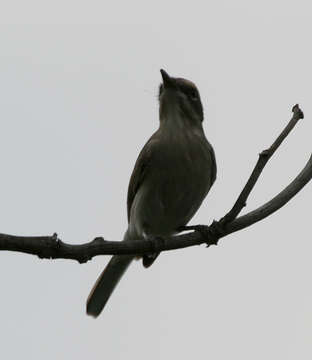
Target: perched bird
[172,175]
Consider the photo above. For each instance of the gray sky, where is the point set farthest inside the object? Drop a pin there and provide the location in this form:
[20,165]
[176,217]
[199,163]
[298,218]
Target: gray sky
[78,100]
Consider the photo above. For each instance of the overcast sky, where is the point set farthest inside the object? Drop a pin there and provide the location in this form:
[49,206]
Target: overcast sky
[78,100]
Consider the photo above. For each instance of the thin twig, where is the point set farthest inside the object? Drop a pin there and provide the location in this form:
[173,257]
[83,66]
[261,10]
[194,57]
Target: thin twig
[274,204]
[264,157]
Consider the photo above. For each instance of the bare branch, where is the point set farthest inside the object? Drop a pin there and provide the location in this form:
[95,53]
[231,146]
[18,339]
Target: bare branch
[50,247]
[264,157]
[276,203]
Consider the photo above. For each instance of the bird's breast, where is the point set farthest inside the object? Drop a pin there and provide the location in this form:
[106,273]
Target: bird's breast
[178,180]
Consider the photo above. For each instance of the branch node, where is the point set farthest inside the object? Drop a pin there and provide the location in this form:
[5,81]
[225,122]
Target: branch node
[84,259]
[265,153]
[217,231]
[98,241]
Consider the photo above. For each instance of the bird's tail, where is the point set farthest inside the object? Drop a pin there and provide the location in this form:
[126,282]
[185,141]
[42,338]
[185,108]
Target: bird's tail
[106,283]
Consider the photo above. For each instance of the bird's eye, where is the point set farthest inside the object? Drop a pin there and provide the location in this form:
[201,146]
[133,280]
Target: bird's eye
[193,95]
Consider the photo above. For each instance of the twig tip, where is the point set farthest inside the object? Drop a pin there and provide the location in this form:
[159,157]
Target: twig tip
[296,109]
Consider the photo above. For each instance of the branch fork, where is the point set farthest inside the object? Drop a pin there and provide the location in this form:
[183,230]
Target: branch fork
[51,247]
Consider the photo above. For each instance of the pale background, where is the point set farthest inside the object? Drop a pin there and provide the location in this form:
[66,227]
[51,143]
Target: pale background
[78,100]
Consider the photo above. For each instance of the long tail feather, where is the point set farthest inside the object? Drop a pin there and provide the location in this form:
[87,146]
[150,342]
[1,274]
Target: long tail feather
[106,283]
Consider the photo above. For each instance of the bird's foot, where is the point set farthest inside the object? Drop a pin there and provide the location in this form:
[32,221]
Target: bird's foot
[211,233]
[157,243]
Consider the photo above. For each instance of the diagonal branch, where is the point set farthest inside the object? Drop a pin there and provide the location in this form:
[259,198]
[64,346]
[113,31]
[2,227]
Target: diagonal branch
[274,204]
[264,157]
[51,247]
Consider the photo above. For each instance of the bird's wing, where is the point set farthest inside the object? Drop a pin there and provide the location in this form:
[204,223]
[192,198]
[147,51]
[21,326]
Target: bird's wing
[140,169]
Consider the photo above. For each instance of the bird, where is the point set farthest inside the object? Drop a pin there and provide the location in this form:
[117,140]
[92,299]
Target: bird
[171,177]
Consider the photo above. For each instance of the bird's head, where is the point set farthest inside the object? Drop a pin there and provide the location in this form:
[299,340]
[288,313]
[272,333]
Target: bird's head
[179,96]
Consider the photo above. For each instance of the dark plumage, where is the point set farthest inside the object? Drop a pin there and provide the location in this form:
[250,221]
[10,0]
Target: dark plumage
[172,175]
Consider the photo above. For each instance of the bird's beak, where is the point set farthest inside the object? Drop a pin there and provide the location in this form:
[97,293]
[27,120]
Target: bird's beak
[167,80]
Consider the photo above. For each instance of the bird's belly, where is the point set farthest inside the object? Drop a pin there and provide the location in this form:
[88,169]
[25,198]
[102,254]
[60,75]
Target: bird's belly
[168,200]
